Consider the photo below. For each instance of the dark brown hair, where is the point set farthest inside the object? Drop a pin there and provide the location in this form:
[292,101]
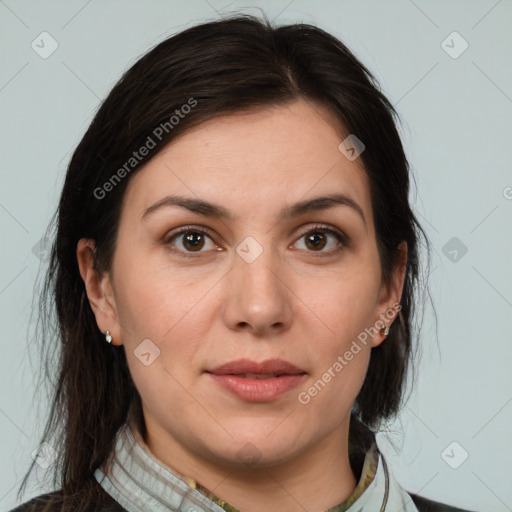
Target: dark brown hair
[225,66]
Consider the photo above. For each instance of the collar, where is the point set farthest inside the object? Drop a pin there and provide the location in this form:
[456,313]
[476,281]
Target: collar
[139,481]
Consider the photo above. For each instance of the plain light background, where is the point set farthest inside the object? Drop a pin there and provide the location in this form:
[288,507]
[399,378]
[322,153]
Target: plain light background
[457,111]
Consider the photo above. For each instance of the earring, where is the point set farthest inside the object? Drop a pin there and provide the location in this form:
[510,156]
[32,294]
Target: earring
[108,337]
[384,330]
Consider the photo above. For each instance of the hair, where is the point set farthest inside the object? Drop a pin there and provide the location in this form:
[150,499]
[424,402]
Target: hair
[217,68]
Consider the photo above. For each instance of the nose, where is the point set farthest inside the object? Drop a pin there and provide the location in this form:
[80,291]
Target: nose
[259,300]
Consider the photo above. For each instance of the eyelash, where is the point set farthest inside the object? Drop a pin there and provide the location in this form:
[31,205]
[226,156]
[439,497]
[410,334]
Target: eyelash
[320,228]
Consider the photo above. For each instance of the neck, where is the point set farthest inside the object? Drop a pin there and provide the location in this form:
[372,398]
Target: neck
[316,480]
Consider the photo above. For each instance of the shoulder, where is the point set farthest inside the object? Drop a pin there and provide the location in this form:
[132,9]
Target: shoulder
[55,502]
[426,505]
[49,501]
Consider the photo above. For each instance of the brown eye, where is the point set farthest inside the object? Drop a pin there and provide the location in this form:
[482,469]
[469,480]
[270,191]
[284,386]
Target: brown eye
[317,239]
[190,240]
[194,241]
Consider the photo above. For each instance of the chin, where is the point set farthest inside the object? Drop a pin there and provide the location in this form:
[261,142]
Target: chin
[257,452]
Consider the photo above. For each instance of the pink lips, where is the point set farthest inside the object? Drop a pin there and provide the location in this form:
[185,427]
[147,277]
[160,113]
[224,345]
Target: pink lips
[258,382]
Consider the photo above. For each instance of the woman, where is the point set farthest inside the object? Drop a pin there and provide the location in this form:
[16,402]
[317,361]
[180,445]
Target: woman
[235,272]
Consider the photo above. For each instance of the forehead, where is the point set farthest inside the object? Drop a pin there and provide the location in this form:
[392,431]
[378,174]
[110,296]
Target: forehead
[254,162]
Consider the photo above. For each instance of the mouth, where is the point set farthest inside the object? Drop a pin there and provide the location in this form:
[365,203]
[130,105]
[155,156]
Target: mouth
[259,375]
[254,381]
[265,369]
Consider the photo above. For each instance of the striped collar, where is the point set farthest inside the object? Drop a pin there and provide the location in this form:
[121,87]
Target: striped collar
[139,481]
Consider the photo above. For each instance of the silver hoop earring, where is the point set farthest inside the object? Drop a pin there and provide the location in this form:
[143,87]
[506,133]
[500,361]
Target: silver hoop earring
[108,337]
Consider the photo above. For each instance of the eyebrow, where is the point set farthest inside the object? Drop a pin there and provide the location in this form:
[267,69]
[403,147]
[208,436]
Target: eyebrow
[207,209]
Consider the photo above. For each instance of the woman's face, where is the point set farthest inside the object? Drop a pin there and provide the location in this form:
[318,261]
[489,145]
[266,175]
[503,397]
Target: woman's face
[280,274]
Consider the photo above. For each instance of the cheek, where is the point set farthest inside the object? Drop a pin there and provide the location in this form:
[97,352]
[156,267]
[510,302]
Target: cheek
[155,299]
[347,305]
[172,309]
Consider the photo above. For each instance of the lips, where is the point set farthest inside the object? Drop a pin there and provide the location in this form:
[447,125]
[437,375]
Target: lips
[270,367]
[257,382]
[260,375]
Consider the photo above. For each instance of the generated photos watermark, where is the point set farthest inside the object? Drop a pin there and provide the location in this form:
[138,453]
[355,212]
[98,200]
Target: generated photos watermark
[304,397]
[151,141]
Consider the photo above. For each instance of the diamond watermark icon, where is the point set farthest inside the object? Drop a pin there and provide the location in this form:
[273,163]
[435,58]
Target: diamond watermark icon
[249,249]
[454,455]
[351,147]
[454,45]
[146,352]
[44,455]
[454,249]
[249,454]
[42,249]
[44,45]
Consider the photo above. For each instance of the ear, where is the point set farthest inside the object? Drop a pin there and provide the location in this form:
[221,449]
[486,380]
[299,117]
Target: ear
[391,294]
[99,291]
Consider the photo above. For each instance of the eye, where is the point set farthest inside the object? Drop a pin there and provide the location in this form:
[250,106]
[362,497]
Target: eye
[190,239]
[317,238]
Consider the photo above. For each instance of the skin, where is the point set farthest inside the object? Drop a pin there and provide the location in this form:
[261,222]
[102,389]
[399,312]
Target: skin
[295,302]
